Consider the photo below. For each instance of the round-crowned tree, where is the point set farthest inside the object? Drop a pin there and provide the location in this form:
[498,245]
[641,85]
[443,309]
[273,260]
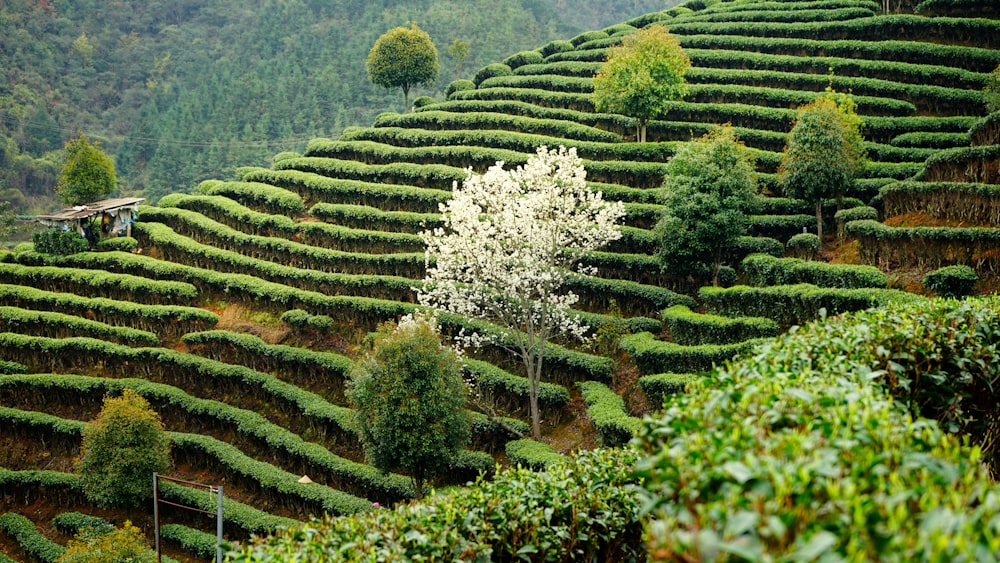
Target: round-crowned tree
[87,174]
[121,450]
[402,58]
[409,398]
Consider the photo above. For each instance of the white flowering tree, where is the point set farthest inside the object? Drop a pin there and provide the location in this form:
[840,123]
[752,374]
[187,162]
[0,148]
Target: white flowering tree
[509,239]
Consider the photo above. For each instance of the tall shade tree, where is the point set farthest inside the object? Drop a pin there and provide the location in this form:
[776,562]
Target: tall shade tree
[409,399]
[710,182]
[87,174]
[509,239]
[642,75]
[824,152]
[402,58]
[121,450]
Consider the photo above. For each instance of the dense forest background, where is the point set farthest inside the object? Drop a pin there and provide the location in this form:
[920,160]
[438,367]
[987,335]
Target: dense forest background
[178,91]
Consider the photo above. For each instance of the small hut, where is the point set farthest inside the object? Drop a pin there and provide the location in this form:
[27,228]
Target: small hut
[116,218]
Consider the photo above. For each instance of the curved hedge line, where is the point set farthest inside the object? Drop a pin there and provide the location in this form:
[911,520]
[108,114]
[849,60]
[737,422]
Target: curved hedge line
[656,356]
[440,119]
[59,325]
[95,283]
[932,247]
[764,270]
[658,386]
[32,541]
[689,328]
[976,204]
[797,304]
[274,199]
[606,409]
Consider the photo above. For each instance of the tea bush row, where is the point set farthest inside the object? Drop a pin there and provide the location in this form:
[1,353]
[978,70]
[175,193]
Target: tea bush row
[779,227]
[532,455]
[658,386]
[244,427]
[60,325]
[274,199]
[72,523]
[437,119]
[606,409]
[764,270]
[94,283]
[975,204]
[656,356]
[437,176]
[287,252]
[688,328]
[764,15]
[168,321]
[796,304]
[933,247]
[32,541]
[963,164]
[311,233]
[359,216]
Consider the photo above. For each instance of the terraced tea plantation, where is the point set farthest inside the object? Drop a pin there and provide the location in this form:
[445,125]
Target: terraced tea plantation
[243,303]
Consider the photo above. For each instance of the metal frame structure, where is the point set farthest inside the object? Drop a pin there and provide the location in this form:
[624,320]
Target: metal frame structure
[157,501]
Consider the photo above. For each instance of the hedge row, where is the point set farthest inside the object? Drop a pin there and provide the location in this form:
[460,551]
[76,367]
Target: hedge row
[510,140]
[552,82]
[168,321]
[932,247]
[437,119]
[606,409]
[974,204]
[922,77]
[658,386]
[289,253]
[95,283]
[311,233]
[249,430]
[797,304]
[688,328]
[27,536]
[717,87]
[194,542]
[72,523]
[206,266]
[60,325]
[980,32]
[920,52]
[633,299]
[780,227]
[436,176]
[965,164]
[273,199]
[510,392]
[779,15]
[316,187]
[958,8]
[638,174]
[795,453]
[931,140]
[764,270]
[323,372]
[985,131]
[359,216]
[656,356]
[533,455]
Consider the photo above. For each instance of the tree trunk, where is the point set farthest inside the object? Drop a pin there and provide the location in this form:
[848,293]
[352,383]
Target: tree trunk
[534,376]
[819,221]
[641,133]
[418,483]
[406,99]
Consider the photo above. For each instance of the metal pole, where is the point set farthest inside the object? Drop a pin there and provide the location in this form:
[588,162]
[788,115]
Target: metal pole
[218,529]
[156,515]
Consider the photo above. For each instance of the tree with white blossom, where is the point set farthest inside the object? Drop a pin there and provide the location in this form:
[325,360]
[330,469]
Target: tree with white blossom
[509,240]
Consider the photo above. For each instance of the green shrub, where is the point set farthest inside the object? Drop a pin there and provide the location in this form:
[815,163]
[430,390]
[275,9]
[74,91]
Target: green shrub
[689,328]
[489,71]
[803,245]
[72,523]
[531,454]
[861,213]
[12,367]
[658,386]
[763,270]
[578,509]
[951,281]
[606,409]
[195,542]
[457,86]
[523,58]
[59,242]
[422,101]
[656,356]
[557,46]
[789,454]
[272,198]
[127,543]
[124,244]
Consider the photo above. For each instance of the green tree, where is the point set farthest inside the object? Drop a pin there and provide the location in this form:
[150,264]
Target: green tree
[710,181]
[8,218]
[402,58]
[824,152]
[122,544]
[121,450]
[459,50]
[409,399]
[642,76]
[87,174]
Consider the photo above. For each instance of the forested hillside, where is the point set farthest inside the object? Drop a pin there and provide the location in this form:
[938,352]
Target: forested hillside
[181,90]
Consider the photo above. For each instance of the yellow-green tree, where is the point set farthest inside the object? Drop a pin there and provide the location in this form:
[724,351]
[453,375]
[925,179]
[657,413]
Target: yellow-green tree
[87,173]
[402,58]
[824,152]
[122,544]
[121,450]
[642,76]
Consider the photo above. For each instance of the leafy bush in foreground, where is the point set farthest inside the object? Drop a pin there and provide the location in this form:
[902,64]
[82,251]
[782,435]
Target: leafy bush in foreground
[797,455]
[577,510]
